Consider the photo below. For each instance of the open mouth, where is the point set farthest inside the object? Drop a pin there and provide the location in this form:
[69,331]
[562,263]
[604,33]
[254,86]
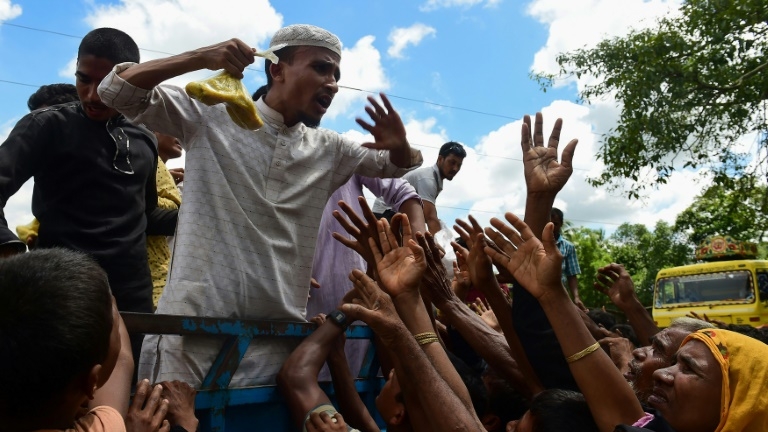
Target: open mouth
[325,101]
[658,397]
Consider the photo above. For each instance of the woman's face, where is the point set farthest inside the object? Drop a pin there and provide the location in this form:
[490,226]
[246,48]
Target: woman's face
[687,394]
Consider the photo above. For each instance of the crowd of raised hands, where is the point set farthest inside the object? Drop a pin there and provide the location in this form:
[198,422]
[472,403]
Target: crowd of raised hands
[424,327]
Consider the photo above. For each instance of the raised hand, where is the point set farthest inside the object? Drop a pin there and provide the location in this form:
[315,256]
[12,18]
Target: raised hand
[479,264]
[543,172]
[486,314]
[360,228]
[400,268]
[435,279]
[461,283]
[368,303]
[614,281]
[536,265]
[387,129]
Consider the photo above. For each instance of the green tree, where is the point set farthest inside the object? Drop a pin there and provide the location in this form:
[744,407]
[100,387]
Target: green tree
[689,88]
[719,211]
[592,253]
[644,252]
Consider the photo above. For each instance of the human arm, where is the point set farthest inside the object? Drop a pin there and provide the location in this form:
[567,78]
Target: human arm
[614,281]
[116,391]
[573,287]
[347,397]
[489,344]
[481,273]
[437,401]
[544,175]
[389,133]
[620,350]
[297,378]
[430,215]
[400,271]
[536,265]
[21,155]
[233,56]
[400,196]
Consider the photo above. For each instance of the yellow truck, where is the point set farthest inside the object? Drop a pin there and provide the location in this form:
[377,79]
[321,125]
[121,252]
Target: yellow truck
[734,291]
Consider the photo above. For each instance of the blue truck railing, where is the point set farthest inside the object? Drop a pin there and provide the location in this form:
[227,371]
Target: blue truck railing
[260,408]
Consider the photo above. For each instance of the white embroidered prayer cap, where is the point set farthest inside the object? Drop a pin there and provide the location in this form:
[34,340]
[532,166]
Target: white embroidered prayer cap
[306,35]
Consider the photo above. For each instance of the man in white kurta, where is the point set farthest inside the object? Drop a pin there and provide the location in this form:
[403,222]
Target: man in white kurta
[253,200]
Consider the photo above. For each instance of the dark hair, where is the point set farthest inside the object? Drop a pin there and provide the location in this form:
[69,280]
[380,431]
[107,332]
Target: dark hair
[558,410]
[111,44]
[285,55]
[556,211]
[503,400]
[628,332]
[602,318]
[473,382]
[55,325]
[452,147]
[52,94]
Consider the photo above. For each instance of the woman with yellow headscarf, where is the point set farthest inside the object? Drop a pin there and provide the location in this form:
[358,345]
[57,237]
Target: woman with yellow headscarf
[719,383]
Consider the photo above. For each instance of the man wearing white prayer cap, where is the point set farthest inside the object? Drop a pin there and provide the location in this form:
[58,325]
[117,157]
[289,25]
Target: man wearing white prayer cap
[253,199]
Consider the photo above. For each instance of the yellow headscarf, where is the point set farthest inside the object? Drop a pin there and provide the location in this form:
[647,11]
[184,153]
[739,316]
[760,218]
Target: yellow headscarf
[744,364]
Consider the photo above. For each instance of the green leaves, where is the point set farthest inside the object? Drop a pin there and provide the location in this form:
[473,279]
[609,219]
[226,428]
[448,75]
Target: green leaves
[689,89]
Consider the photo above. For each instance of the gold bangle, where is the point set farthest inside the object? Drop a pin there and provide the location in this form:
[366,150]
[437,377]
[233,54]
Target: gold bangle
[583,353]
[425,335]
[426,341]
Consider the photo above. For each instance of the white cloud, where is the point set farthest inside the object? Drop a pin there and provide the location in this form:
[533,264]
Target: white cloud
[583,23]
[176,26]
[360,69]
[491,180]
[401,37]
[8,10]
[431,5]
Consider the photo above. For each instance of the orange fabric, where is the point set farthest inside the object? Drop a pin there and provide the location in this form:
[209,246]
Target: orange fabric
[100,419]
[744,364]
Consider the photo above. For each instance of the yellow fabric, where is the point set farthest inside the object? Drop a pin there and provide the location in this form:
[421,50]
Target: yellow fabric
[158,252]
[30,229]
[744,363]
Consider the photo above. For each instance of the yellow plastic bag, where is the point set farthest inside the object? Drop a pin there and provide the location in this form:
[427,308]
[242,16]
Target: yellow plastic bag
[226,89]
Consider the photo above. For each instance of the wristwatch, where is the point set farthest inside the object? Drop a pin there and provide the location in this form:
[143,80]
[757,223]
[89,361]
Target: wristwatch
[339,318]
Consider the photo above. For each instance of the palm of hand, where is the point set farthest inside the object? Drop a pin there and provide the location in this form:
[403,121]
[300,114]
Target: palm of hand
[399,272]
[534,269]
[542,171]
[481,267]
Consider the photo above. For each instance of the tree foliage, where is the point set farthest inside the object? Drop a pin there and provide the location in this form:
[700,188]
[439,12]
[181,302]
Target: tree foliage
[741,214]
[689,88]
[642,252]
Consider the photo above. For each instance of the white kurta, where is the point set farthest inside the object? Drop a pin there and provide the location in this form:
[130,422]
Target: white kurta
[246,234]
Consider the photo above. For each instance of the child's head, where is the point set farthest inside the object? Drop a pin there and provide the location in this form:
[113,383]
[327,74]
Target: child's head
[59,334]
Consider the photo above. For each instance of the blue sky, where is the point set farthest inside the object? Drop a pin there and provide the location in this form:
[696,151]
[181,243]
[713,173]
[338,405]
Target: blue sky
[470,54]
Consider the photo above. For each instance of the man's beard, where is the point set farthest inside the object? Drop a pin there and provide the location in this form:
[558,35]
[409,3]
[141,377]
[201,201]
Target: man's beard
[309,122]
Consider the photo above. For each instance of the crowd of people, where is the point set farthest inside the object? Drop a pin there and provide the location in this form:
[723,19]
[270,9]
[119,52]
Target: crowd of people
[267,214]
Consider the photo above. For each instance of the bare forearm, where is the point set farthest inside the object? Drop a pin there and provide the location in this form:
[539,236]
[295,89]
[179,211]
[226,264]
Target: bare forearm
[415,212]
[611,401]
[573,286]
[148,75]
[350,405]
[490,345]
[434,225]
[441,405]
[641,322]
[417,320]
[537,209]
[498,302]
[403,156]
